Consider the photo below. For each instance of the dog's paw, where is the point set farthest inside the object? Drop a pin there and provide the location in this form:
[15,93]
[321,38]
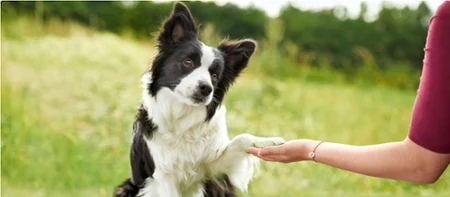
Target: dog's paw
[244,141]
[269,141]
[126,189]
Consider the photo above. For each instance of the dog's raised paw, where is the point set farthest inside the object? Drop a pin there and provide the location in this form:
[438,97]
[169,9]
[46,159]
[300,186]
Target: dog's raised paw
[269,141]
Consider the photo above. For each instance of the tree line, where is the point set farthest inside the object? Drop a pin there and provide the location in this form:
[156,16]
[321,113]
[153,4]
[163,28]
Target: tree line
[397,35]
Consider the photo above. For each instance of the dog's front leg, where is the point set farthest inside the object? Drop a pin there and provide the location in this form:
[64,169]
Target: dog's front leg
[236,163]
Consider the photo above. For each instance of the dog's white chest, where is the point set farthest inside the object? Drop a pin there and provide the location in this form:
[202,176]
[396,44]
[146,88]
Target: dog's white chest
[185,150]
[183,154]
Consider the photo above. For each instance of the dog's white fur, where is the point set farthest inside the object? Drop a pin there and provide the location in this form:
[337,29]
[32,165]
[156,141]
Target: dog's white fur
[186,148]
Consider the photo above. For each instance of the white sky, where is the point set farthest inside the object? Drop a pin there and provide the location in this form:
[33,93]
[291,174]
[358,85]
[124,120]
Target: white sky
[272,7]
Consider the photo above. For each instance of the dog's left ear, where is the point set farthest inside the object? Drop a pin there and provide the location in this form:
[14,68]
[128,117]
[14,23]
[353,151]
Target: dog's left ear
[237,53]
[180,26]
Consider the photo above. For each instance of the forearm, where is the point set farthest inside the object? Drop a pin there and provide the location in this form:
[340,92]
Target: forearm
[382,160]
[395,160]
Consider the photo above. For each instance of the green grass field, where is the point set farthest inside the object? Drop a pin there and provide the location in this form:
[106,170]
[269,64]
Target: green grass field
[68,103]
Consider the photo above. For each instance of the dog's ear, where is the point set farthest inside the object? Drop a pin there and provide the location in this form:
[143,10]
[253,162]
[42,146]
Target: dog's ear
[180,26]
[237,53]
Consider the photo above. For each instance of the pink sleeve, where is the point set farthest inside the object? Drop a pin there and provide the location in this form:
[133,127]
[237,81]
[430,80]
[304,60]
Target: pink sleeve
[430,122]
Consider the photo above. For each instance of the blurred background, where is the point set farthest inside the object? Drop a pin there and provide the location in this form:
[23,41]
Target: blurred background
[341,71]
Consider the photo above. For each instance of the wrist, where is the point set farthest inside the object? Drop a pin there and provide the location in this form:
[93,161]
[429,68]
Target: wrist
[310,148]
[307,146]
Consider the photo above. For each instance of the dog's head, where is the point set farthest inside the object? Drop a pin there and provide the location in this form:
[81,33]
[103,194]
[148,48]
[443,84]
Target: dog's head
[196,74]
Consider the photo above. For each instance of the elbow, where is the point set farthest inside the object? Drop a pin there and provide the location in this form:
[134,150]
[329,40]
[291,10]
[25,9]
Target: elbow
[425,180]
[423,166]
[426,177]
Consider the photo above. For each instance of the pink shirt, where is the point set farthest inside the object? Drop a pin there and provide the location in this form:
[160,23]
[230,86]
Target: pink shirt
[430,122]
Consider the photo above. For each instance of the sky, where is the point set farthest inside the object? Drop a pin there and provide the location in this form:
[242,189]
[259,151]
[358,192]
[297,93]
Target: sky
[272,7]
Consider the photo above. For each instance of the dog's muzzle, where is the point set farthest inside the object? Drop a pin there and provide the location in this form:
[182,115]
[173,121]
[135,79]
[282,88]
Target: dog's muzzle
[202,92]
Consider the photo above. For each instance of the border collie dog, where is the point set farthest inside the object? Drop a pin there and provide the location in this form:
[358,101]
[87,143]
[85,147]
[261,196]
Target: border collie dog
[180,146]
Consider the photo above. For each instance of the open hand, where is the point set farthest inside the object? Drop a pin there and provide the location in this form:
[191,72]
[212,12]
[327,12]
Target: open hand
[291,151]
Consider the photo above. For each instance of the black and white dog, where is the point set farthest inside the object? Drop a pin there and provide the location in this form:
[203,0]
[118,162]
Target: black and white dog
[180,146]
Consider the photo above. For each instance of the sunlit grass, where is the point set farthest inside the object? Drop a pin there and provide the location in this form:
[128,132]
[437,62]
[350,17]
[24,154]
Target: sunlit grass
[68,103]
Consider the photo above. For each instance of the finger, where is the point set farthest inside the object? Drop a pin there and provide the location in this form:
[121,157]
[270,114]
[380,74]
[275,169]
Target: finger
[271,151]
[254,151]
[270,158]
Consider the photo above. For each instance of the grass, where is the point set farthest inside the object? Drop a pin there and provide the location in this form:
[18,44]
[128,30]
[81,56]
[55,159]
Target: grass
[68,102]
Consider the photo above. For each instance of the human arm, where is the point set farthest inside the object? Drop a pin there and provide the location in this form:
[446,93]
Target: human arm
[425,153]
[402,160]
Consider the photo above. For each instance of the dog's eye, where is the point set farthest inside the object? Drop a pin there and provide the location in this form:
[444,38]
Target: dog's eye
[188,63]
[214,77]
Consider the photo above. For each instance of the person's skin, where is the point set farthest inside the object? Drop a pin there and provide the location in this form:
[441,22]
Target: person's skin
[402,160]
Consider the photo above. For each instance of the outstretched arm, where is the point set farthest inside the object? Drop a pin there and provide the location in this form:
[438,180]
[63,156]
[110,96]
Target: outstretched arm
[419,158]
[402,160]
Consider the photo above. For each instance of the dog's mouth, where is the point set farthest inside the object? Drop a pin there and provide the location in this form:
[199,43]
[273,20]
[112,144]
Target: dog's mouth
[200,99]
[194,99]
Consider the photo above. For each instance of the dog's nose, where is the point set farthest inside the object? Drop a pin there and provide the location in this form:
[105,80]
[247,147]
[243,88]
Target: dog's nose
[204,88]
